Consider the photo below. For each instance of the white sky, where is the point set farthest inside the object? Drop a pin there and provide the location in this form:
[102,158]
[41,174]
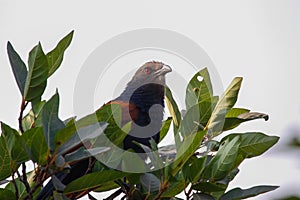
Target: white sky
[258,40]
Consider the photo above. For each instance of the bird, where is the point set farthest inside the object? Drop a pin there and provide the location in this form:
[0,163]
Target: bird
[142,103]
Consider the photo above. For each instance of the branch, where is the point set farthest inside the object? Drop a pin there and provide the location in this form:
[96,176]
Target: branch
[23,106]
[14,182]
[24,179]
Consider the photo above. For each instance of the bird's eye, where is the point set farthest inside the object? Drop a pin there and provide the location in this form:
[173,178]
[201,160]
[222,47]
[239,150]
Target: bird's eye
[147,71]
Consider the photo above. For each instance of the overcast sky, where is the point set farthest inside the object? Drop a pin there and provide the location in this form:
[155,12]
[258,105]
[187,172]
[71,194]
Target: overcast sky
[257,40]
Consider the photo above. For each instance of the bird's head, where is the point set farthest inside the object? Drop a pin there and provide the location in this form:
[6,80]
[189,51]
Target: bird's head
[152,72]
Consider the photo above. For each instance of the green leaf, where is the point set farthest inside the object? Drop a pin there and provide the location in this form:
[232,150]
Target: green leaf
[18,67]
[150,182]
[35,145]
[51,122]
[55,57]
[20,186]
[83,153]
[238,193]
[28,121]
[83,134]
[176,185]
[198,90]
[221,164]
[4,160]
[209,187]
[7,194]
[13,142]
[186,149]
[132,162]
[93,180]
[232,121]
[202,196]
[173,108]
[226,102]
[165,128]
[36,79]
[193,168]
[253,143]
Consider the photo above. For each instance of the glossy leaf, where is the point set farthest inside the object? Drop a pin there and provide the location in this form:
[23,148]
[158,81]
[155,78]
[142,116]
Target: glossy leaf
[50,120]
[36,79]
[221,164]
[198,90]
[202,196]
[7,194]
[173,108]
[238,193]
[83,153]
[187,148]
[4,159]
[150,182]
[93,180]
[35,145]
[82,135]
[225,103]
[20,186]
[13,142]
[18,67]
[55,57]
[234,121]
[193,168]
[253,143]
[165,128]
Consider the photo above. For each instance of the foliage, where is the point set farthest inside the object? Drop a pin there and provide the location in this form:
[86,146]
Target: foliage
[196,164]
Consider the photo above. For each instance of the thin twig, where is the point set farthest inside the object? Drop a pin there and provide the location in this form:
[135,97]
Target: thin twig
[23,106]
[14,183]
[24,179]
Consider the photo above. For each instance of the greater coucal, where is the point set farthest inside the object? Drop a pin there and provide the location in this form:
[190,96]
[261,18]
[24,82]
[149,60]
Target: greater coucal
[142,102]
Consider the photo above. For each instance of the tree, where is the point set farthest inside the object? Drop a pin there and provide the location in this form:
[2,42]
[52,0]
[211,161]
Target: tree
[196,164]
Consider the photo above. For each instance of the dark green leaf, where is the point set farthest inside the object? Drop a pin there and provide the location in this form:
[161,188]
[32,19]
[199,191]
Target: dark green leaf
[221,164]
[36,79]
[7,194]
[193,168]
[83,153]
[173,108]
[20,186]
[209,187]
[165,128]
[50,120]
[55,57]
[186,149]
[198,90]
[238,193]
[83,134]
[201,196]
[59,196]
[13,143]
[93,180]
[253,143]
[234,121]
[226,102]
[132,162]
[18,67]
[150,182]
[35,145]
[4,159]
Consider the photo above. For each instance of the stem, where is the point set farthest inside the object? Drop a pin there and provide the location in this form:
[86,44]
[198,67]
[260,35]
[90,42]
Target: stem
[23,106]
[24,179]
[14,183]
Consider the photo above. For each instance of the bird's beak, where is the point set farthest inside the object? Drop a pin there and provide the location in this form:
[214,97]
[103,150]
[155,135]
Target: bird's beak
[164,70]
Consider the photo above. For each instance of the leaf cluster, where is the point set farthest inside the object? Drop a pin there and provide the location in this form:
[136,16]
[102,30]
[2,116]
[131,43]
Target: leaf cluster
[196,164]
